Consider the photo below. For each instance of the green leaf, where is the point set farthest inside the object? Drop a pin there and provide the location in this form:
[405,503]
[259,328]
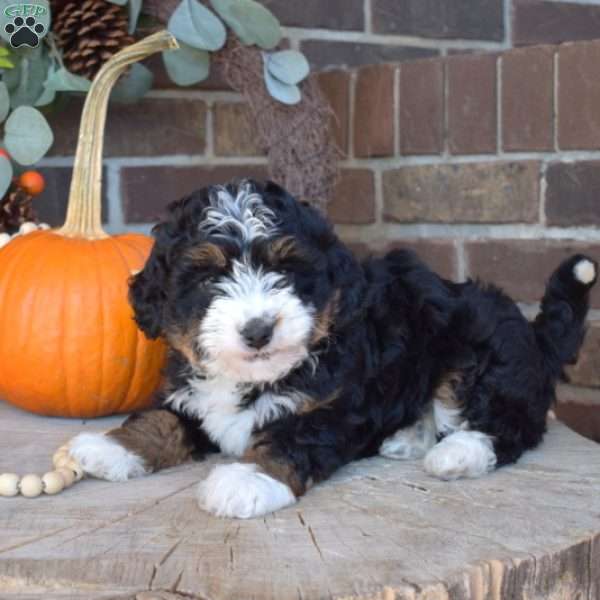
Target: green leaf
[30,79]
[4,102]
[6,175]
[6,64]
[186,65]
[195,25]
[288,94]
[134,85]
[251,22]
[135,8]
[46,98]
[4,51]
[48,95]
[289,66]
[27,135]
[65,81]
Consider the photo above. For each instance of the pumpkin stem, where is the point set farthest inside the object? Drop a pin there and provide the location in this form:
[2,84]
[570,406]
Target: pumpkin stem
[84,211]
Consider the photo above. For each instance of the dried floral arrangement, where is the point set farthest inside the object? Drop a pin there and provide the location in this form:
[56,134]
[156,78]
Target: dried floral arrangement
[241,37]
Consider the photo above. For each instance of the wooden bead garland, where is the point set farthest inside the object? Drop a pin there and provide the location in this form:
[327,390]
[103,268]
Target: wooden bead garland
[66,472]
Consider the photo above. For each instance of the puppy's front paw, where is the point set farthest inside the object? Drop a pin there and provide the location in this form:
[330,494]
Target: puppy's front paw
[241,491]
[461,454]
[101,456]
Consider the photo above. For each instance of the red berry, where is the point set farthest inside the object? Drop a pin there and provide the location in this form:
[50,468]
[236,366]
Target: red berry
[32,182]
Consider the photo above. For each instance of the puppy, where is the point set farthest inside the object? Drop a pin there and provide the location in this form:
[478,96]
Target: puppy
[289,354]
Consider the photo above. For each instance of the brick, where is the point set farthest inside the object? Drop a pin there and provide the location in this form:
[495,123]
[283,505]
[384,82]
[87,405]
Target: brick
[579,96]
[587,370]
[539,22]
[146,191]
[324,54]
[579,409]
[572,194]
[353,201]
[440,255]
[374,112]
[51,204]
[335,85]
[505,192]
[151,127]
[472,104]
[444,19]
[422,107]
[528,99]
[522,267]
[333,14]
[234,130]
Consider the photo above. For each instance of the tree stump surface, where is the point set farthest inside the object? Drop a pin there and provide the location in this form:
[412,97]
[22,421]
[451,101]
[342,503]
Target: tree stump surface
[378,530]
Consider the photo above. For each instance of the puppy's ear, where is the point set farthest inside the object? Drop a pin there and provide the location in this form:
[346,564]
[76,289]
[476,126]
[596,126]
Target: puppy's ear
[148,289]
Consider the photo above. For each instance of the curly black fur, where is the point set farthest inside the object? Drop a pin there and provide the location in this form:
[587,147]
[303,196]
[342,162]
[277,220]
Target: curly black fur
[397,332]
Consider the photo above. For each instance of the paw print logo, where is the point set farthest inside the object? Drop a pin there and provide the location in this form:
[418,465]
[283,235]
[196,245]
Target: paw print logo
[24,32]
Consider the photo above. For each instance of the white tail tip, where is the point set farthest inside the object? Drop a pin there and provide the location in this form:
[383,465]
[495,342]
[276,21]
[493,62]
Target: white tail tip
[585,271]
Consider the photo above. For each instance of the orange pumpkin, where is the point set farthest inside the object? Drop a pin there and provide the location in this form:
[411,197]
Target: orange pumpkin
[68,343]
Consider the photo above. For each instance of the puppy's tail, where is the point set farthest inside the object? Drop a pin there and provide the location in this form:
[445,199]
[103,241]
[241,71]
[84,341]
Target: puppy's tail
[560,325]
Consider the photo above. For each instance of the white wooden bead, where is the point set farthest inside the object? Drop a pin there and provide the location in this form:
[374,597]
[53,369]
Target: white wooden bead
[67,475]
[31,486]
[53,482]
[4,239]
[9,484]
[27,227]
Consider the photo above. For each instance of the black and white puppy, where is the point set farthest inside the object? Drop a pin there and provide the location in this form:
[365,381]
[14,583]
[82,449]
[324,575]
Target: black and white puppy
[289,354]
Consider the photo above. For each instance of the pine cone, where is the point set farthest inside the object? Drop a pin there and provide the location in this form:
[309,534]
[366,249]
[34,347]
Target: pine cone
[89,33]
[16,209]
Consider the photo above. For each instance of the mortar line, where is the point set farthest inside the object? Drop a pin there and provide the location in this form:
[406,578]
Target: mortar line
[378,178]
[116,218]
[396,109]
[391,162]
[468,232]
[499,112]
[462,266]
[445,111]
[507,15]
[555,84]
[353,77]
[209,124]
[368,16]
[359,36]
[542,193]
[172,160]
[206,95]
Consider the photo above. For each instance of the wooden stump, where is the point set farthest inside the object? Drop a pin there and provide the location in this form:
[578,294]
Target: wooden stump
[379,530]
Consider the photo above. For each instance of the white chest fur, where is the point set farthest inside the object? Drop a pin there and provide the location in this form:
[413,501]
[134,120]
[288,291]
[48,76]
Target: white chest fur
[216,402]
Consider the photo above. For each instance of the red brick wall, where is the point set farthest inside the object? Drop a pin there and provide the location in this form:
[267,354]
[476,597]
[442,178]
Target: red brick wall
[487,163]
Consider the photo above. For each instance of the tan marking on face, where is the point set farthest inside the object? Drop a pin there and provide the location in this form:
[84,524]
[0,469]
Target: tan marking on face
[325,319]
[208,255]
[157,437]
[284,248]
[185,343]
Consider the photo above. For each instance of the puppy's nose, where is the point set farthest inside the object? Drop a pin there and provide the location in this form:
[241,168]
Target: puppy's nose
[257,333]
